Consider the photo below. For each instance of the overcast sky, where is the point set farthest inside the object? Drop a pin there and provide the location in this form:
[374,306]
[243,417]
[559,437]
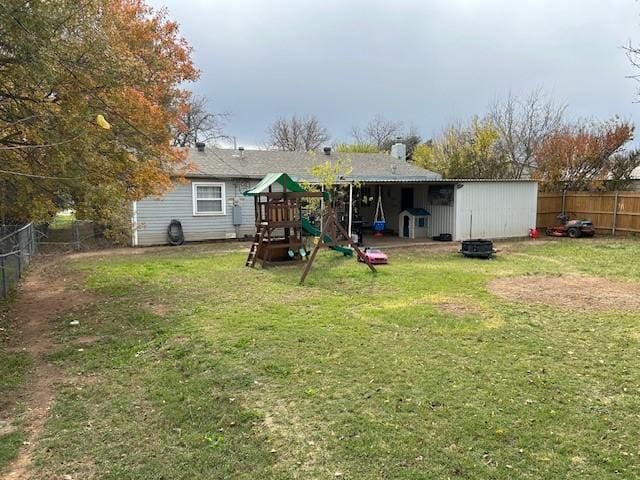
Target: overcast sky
[427,63]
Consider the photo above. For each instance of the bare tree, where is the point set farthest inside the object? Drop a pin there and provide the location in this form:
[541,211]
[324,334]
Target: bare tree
[633,54]
[379,132]
[297,133]
[522,125]
[411,138]
[199,125]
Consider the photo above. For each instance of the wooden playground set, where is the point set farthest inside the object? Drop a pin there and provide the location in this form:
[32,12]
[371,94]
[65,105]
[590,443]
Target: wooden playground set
[282,231]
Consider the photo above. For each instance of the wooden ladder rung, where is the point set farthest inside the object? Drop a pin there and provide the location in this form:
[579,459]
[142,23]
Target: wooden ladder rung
[255,247]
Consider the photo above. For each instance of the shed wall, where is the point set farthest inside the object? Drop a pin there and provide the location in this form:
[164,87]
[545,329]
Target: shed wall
[442,220]
[499,209]
[154,214]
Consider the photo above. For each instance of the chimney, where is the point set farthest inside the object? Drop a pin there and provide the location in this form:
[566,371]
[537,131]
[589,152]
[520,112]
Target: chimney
[327,150]
[399,150]
[241,150]
[200,146]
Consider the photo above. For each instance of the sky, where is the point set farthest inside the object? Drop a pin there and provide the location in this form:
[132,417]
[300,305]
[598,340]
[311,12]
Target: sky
[426,63]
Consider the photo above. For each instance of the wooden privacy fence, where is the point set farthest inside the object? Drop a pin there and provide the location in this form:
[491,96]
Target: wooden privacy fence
[614,212]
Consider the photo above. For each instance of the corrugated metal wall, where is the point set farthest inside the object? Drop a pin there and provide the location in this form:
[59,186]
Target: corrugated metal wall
[154,214]
[499,209]
[442,220]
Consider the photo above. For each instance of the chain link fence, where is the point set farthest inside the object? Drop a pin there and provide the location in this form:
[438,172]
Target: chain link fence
[18,245]
[68,234]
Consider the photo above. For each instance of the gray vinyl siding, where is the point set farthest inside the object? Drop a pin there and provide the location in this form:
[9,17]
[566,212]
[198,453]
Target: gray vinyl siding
[153,214]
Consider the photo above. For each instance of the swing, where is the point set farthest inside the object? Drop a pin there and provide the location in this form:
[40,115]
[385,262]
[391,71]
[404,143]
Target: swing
[378,221]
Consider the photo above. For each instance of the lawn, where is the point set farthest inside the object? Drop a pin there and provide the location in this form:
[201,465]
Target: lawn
[189,365]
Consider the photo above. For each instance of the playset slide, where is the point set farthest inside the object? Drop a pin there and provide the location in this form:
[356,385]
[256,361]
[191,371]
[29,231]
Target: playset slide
[310,229]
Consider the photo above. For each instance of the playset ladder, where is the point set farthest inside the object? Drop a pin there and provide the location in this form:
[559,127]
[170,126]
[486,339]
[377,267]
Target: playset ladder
[255,247]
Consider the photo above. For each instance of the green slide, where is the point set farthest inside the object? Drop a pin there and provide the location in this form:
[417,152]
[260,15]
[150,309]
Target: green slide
[310,229]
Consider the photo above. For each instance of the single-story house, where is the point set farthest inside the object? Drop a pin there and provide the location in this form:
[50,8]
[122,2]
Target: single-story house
[635,182]
[209,201]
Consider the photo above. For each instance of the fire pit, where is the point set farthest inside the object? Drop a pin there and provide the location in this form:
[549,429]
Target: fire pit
[477,248]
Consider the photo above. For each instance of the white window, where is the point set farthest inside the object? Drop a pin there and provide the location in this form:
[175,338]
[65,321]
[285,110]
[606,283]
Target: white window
[208,198]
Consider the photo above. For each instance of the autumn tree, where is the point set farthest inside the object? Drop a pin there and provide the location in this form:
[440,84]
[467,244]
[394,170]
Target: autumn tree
[585,155]
[89,94]
[464,151]
[197,124]
[297,133]
[522,124]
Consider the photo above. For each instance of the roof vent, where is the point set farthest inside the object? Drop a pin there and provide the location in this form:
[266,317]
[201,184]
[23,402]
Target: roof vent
[241,150]
[200,146]
[327,150]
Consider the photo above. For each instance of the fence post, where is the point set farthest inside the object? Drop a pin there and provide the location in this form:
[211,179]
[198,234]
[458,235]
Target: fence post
[30,241]
[4,277]
[19,255]
[76,235]
[615,214]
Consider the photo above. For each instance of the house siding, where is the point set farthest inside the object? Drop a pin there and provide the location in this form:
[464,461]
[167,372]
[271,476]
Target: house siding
[153,214]
[499,209]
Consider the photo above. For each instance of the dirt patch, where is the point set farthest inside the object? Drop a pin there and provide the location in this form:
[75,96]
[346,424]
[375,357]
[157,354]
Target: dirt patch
[578,291]
[48,291]
[87,340]
[459,308]
[6,427]
[159,309]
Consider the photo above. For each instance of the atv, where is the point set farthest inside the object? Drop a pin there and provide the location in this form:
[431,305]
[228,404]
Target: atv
[572,228]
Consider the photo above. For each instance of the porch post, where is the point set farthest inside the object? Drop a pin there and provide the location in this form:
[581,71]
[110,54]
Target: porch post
[321,209]
[350,209]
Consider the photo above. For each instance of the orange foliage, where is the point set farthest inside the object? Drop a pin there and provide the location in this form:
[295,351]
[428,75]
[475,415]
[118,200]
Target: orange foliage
[579,156]
[70,62]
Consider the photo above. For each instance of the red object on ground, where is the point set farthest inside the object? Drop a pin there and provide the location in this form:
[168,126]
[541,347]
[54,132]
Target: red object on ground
[534,233]
[375,256]
[572,228]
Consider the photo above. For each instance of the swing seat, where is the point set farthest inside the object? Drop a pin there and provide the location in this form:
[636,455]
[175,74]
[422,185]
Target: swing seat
[379,225]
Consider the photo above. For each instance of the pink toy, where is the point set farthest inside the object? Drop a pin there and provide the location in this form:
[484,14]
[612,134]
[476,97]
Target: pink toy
[375,256]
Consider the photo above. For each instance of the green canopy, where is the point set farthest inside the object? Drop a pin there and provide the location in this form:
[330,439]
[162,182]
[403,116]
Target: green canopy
[282,178]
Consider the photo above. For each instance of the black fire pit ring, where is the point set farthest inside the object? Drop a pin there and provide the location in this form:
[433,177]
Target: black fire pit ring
[478,248]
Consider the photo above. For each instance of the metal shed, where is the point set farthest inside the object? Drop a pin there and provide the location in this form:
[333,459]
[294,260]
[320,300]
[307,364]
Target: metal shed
[494,209]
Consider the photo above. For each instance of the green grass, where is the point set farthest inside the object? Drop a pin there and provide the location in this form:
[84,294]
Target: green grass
[193,366]
[62,220]
[14,368]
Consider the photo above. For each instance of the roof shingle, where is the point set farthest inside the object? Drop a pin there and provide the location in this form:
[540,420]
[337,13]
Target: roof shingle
[217,162]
